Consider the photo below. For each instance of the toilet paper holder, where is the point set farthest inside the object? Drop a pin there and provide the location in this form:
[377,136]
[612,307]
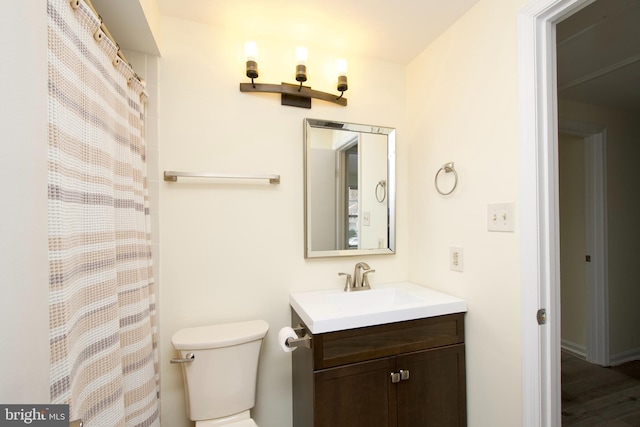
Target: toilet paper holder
[303,340]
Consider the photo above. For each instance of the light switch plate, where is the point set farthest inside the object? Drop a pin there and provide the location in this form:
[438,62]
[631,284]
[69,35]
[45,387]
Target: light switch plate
[500,217]
[366,218]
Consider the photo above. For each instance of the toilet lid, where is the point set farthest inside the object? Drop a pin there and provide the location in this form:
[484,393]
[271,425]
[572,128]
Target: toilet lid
[221,335]
[247,422]
[243,423]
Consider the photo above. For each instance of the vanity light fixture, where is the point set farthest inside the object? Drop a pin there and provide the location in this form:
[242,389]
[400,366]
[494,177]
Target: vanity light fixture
[291,94]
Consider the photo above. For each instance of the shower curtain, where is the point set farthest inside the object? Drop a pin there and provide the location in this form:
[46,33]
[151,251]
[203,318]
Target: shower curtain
[102,311]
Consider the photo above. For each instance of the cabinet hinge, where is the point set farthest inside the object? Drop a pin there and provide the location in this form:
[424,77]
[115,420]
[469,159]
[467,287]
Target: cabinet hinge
[541,316]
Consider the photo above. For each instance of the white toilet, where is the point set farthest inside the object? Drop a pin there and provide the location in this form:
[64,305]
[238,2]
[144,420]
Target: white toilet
[219,367]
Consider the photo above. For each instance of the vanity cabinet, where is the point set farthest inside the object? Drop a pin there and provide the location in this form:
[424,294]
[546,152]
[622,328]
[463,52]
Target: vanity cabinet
[405,374]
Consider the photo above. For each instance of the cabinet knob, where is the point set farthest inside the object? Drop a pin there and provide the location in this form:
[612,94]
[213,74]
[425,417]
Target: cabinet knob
[395,377]
[404,375]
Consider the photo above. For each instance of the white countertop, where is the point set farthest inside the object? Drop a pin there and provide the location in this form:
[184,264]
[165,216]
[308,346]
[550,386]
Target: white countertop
[335,310]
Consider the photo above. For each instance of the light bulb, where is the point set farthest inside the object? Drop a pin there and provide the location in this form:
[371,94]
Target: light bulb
[341,67]
[251,53]
[301,55]
[301,65]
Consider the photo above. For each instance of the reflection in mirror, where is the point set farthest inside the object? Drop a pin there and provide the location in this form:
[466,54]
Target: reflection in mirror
[349,189]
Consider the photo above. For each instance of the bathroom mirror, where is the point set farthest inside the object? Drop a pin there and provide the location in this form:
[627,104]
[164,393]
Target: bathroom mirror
[349,189]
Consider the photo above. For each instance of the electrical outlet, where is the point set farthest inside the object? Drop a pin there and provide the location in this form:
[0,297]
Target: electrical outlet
[456,259]
[500,217]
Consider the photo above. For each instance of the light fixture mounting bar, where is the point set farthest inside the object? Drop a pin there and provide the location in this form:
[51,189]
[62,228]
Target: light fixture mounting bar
[293,95]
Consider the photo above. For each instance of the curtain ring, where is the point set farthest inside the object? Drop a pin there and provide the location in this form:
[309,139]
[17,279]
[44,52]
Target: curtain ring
[447,167]
[382,184]
[98,35]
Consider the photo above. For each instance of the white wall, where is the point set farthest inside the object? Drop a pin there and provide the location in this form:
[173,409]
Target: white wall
[463,107]
[234,251]
[321,166]
[373,151]
[623,206]
[24,273]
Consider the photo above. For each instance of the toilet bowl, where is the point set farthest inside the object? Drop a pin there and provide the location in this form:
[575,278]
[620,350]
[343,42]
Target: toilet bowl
[219,367]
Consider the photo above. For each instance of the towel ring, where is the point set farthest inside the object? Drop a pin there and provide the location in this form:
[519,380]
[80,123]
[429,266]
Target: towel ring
[382,184]
[447,167]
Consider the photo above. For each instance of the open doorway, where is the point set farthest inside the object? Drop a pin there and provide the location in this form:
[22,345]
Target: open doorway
[573,248]
[540,238]
[598,67]
[582,161]
[598,58]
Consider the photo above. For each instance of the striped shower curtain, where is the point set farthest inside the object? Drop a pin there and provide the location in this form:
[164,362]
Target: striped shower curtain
[102,309]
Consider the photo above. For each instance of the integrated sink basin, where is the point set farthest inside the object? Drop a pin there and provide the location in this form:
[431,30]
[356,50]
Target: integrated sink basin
[335,310]
[372,299]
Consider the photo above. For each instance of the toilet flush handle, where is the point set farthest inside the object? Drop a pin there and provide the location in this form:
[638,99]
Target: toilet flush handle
[188,359]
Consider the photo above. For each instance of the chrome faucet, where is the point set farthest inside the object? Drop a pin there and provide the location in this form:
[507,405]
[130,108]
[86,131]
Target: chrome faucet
[359,281]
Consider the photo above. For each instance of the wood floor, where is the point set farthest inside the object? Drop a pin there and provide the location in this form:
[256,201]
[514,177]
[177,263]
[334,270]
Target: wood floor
[593,396]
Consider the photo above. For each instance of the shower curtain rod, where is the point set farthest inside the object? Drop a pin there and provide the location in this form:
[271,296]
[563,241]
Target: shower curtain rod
[105,30]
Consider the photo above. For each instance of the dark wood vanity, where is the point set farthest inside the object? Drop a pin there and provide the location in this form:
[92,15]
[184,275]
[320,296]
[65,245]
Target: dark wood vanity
[405,374]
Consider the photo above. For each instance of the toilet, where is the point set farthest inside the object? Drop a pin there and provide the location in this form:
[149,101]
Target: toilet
[219,367]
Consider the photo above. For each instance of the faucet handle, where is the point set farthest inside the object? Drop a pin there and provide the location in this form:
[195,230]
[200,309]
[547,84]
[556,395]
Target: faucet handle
[348,284]
[365,278]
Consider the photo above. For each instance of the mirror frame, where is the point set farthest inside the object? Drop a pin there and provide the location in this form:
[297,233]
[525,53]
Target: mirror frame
[391,187]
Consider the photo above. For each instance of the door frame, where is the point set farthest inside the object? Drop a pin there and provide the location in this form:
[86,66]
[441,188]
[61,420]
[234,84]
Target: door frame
[539,213]
[596,236]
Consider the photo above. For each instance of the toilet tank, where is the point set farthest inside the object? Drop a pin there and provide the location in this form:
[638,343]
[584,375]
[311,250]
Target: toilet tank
[221,380]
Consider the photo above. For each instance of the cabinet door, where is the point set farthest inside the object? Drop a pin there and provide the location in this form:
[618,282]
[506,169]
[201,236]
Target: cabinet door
[356,395]
[434,395]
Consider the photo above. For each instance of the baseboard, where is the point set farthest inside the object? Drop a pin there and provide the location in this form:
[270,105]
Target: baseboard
[573,348]
[625,356]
